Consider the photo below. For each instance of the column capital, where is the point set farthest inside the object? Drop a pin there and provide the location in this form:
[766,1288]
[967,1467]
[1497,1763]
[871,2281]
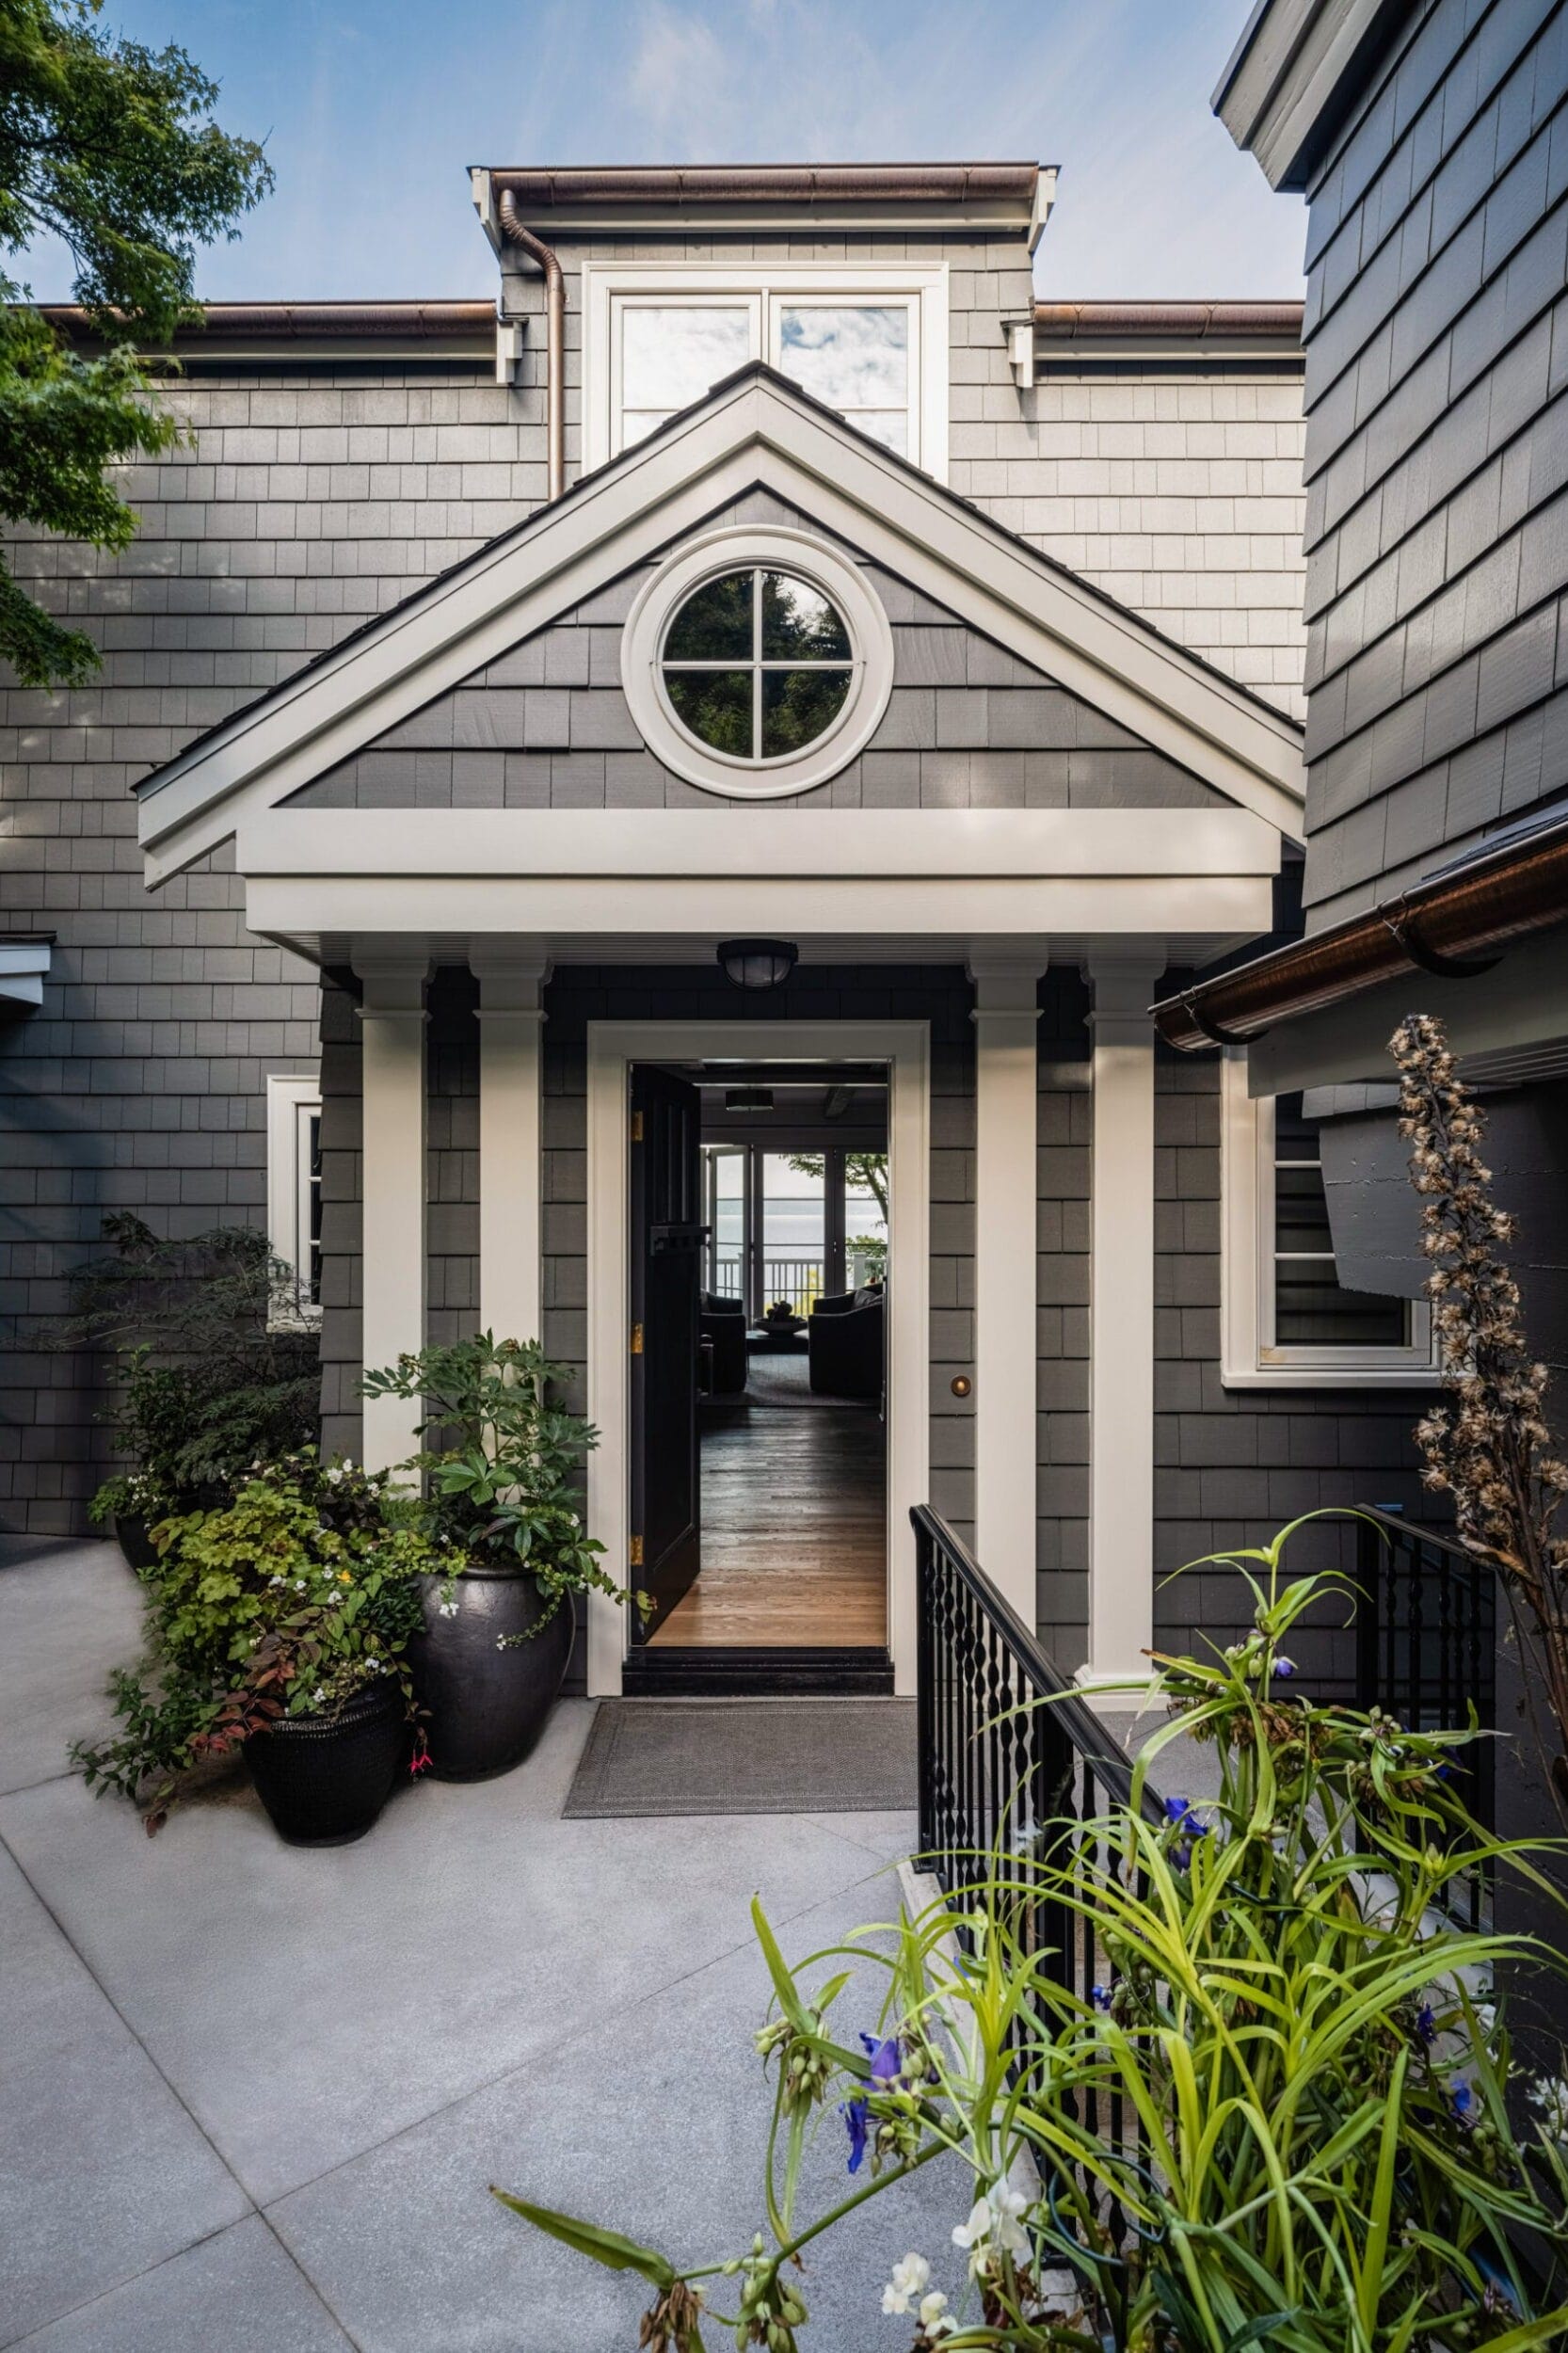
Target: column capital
[1123,985]
[1005,983]
[511,976]
[392,983]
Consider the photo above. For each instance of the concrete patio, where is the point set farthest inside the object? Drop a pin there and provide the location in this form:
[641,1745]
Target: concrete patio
[252,2096]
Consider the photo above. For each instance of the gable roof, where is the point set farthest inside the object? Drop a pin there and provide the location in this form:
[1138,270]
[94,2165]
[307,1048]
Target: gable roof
[755,427]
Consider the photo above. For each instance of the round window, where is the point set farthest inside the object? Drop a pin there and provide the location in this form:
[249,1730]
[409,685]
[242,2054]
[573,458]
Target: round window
[757,662]
[756,665]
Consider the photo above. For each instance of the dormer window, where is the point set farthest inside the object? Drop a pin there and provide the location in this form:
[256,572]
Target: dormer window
[869,342]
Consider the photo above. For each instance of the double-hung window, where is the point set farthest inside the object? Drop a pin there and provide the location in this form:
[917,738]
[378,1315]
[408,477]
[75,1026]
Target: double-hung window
[872,344]
[1288,1320]
[293,1193]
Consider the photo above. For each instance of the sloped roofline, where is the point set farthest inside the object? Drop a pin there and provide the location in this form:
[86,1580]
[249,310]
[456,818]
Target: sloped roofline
[755,425]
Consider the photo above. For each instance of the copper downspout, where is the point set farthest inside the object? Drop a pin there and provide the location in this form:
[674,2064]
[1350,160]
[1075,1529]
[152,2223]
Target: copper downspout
[1451,926]
[517,233]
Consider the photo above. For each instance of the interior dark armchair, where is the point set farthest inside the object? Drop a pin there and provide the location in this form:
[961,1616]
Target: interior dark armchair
[723,1324]
[844,1340]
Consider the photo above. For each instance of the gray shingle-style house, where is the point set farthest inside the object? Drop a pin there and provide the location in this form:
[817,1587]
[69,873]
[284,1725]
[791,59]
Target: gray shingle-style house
[766,563]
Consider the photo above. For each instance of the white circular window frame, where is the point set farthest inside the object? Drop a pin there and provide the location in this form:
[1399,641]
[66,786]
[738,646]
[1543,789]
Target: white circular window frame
[740,549]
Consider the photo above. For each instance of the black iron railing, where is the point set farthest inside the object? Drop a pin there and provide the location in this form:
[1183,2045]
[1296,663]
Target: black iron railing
[1001,1777]
[1425,1630]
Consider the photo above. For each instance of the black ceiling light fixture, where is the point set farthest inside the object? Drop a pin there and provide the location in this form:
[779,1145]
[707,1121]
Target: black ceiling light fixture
[749,1098]
[757,962]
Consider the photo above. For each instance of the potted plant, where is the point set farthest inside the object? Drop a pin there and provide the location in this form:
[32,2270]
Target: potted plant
[278,1624]
[218,1369]
[500,1474]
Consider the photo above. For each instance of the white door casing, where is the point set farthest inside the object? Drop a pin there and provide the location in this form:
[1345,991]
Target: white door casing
[613,1047]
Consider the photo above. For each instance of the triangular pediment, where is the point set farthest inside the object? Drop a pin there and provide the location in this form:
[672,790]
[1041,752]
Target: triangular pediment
[758,431]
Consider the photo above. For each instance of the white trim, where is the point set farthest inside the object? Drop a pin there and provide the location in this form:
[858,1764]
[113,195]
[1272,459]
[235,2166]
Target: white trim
[1250,1359]
[756,432]
[291,1098]
[1121,1275]
[737,548]
[1006,1244]
[612,1048]
[607,284]
[511,1190]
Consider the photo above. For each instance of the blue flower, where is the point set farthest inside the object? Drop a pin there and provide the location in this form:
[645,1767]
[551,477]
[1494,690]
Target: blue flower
[857,2117]
[1425,2024]
[1100,1996]
[1285,1668]
[1462,2099]
[886,2061]
[1176,1809]
[1180,1814]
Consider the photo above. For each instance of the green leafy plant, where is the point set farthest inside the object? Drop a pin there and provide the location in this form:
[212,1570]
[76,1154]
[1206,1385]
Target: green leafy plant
[502,1475]
[214,1378]
[110,146]
[1283,2115]
[287,1601]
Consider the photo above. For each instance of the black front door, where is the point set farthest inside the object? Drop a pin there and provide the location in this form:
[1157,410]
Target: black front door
[666,1264]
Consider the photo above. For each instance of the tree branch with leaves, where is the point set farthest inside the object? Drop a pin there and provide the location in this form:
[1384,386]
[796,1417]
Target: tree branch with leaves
[111,147]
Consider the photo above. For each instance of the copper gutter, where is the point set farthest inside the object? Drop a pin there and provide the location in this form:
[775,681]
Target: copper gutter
[516,231]
[796,184]
[1453,925]
[1190,322]
[231,322]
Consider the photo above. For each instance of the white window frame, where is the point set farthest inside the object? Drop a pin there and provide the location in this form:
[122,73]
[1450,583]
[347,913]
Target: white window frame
[1251,1357]
[290,1101]
[766,287]
[739,548]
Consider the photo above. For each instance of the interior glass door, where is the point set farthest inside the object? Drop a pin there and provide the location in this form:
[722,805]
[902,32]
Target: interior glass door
[725,1213]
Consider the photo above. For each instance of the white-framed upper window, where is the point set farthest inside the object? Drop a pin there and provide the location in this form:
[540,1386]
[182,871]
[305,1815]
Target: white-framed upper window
[757,662]
[1287,1322]
[870,340]
[294,1193]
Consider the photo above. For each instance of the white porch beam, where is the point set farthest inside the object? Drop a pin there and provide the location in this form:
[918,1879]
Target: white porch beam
[1121,1424]
[511,1026]
[1005,1020]
[392,1277]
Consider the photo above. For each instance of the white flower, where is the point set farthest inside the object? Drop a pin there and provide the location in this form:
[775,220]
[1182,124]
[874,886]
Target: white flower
[317,1696]
[935,2319]
[447,1609]
[375,1666]
[1549,2093]
[299,1585]
[910,2279]
[275,1581]
[993,2228]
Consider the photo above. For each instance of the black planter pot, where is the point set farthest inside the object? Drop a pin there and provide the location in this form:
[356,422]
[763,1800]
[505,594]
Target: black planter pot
[487,1706]
[324,1779]
[135,1543]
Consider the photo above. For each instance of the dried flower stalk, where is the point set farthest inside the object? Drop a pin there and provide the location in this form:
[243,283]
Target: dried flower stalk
[1488,1446]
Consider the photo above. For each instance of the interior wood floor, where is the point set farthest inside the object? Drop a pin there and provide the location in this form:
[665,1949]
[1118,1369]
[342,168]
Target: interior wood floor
[793,1523]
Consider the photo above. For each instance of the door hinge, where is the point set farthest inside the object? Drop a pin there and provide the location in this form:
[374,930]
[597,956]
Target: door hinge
[637,1339]
[634,1553]
[636,1126]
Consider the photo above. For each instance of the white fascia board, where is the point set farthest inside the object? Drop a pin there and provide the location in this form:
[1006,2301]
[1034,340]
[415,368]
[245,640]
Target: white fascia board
[24,969]
[1284,72]
[754,432]
[464,907]
[851,843]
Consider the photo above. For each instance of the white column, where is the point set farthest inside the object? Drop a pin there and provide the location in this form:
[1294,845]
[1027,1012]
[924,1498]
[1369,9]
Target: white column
[510,1146]
[1121,1431]
[1005,1020]
[392,1272]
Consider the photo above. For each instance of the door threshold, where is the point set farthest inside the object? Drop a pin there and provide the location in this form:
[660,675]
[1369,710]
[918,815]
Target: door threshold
[680,1671]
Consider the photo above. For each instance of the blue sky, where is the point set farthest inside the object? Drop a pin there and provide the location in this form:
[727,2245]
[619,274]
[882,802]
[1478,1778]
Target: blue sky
[372,108]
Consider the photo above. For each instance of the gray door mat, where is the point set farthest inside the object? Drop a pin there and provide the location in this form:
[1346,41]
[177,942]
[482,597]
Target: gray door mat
[747,1756]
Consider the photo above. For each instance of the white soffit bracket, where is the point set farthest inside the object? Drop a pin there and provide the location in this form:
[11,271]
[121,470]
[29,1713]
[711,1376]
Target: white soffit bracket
[756,431]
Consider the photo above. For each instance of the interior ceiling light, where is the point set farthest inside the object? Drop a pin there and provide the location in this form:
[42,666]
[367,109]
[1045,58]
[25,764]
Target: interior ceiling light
[757,963]
[748,1099]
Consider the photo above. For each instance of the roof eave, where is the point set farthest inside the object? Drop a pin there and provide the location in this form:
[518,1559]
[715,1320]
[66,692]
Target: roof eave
[1295,75]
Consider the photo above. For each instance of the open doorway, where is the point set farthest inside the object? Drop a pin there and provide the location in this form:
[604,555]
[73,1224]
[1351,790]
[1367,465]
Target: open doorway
[759,1250]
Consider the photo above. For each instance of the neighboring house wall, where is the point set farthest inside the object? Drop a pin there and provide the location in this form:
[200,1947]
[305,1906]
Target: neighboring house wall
[311,500]
[1438,451]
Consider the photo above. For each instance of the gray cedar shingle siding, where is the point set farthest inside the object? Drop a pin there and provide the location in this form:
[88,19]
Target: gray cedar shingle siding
[968,724]
[1438,451]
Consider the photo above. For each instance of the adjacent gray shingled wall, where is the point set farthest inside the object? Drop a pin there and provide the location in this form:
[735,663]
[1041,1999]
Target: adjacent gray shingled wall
[311,500]
[547,725]
[1438,451]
